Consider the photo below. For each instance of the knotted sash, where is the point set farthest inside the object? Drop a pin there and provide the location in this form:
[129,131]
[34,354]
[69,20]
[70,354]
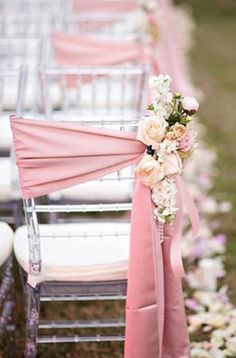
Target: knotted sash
[56,155]
[77,50]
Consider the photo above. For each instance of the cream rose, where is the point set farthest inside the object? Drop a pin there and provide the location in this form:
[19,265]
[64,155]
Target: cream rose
[150,171]
[172,164]
[179,130]
[152,130]
[170,136]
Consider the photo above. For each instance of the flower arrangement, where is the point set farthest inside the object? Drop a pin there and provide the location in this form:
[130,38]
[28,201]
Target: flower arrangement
[145,20]
[170,142]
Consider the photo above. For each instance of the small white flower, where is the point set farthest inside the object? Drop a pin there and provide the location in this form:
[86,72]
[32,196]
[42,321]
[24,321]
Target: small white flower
[160,83]
[231,345]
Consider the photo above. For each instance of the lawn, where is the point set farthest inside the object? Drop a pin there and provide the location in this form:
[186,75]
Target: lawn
[213,70]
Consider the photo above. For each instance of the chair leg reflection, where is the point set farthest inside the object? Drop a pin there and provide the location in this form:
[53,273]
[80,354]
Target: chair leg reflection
[32,319]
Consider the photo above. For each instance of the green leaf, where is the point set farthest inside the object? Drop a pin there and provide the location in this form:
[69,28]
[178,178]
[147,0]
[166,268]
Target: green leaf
[177,95]
[150,107]
[185,120]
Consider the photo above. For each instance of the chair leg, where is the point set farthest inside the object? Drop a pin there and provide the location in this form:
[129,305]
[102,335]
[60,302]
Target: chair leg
[18,214]
[32,320]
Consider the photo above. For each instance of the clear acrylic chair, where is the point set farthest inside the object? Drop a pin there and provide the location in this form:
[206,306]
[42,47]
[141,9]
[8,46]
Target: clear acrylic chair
[95,92]
[16,52]
[12,85]
[111,97]
[82,261]
[6,283]
[118,26]
[32,6]
[28,25]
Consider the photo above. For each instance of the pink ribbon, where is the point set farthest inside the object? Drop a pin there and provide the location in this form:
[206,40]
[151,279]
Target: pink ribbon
[183,199]
[105,6]
[56,155]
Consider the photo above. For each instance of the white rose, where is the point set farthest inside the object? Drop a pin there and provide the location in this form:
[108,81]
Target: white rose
[149,171]
[152,130]
[172,164]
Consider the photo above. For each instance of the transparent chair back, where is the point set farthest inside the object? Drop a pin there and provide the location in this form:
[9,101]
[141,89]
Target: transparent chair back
[16,52]
[32,6]
[12,85]
[120,26]
[94,94]
[14,24]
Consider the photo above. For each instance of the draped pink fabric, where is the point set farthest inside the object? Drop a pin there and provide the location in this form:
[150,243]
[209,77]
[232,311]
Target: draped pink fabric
[172,55]
[55,155]
[105,6]
[76,50]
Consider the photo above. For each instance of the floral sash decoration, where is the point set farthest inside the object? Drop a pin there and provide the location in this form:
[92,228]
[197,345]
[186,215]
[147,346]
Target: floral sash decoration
[170,142]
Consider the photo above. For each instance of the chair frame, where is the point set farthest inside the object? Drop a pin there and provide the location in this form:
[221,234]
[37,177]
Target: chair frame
[65,290]
[13,206]
[23,23]
[76,24]
[74,291]
[124,72]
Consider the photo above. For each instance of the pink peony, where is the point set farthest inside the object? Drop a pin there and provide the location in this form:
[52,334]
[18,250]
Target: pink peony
[186,142]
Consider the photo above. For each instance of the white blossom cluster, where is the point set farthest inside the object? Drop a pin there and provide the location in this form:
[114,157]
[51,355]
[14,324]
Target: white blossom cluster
[161,95]
[164,197]
[166,147]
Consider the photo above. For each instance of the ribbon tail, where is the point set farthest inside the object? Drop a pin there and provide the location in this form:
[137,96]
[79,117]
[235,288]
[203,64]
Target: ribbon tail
[175,249]
[190,205]
[183,198]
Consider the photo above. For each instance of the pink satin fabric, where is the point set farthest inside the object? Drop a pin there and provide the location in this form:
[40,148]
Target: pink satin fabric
[104,6]
[55,155]
[76,50]
[171,56]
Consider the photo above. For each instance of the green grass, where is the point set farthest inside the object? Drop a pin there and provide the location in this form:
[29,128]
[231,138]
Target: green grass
[214,71]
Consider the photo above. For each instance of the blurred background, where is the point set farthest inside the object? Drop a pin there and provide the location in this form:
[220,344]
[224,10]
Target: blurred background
[211,312]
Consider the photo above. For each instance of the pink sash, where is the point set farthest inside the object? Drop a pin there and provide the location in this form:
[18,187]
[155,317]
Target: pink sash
[76,50]
[105,6]
[56,155]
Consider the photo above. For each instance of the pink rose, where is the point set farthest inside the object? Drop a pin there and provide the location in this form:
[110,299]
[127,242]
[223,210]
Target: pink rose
[179,130]
[187,141]
[170,136]
[150,171]
[190,105]
[172,164]
[152,130]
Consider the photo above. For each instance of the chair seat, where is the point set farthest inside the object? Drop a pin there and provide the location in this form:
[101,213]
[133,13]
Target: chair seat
[91,251]
[6,242]
[6,178]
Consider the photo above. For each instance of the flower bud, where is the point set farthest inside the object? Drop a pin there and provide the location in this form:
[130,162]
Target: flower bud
[190,105]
